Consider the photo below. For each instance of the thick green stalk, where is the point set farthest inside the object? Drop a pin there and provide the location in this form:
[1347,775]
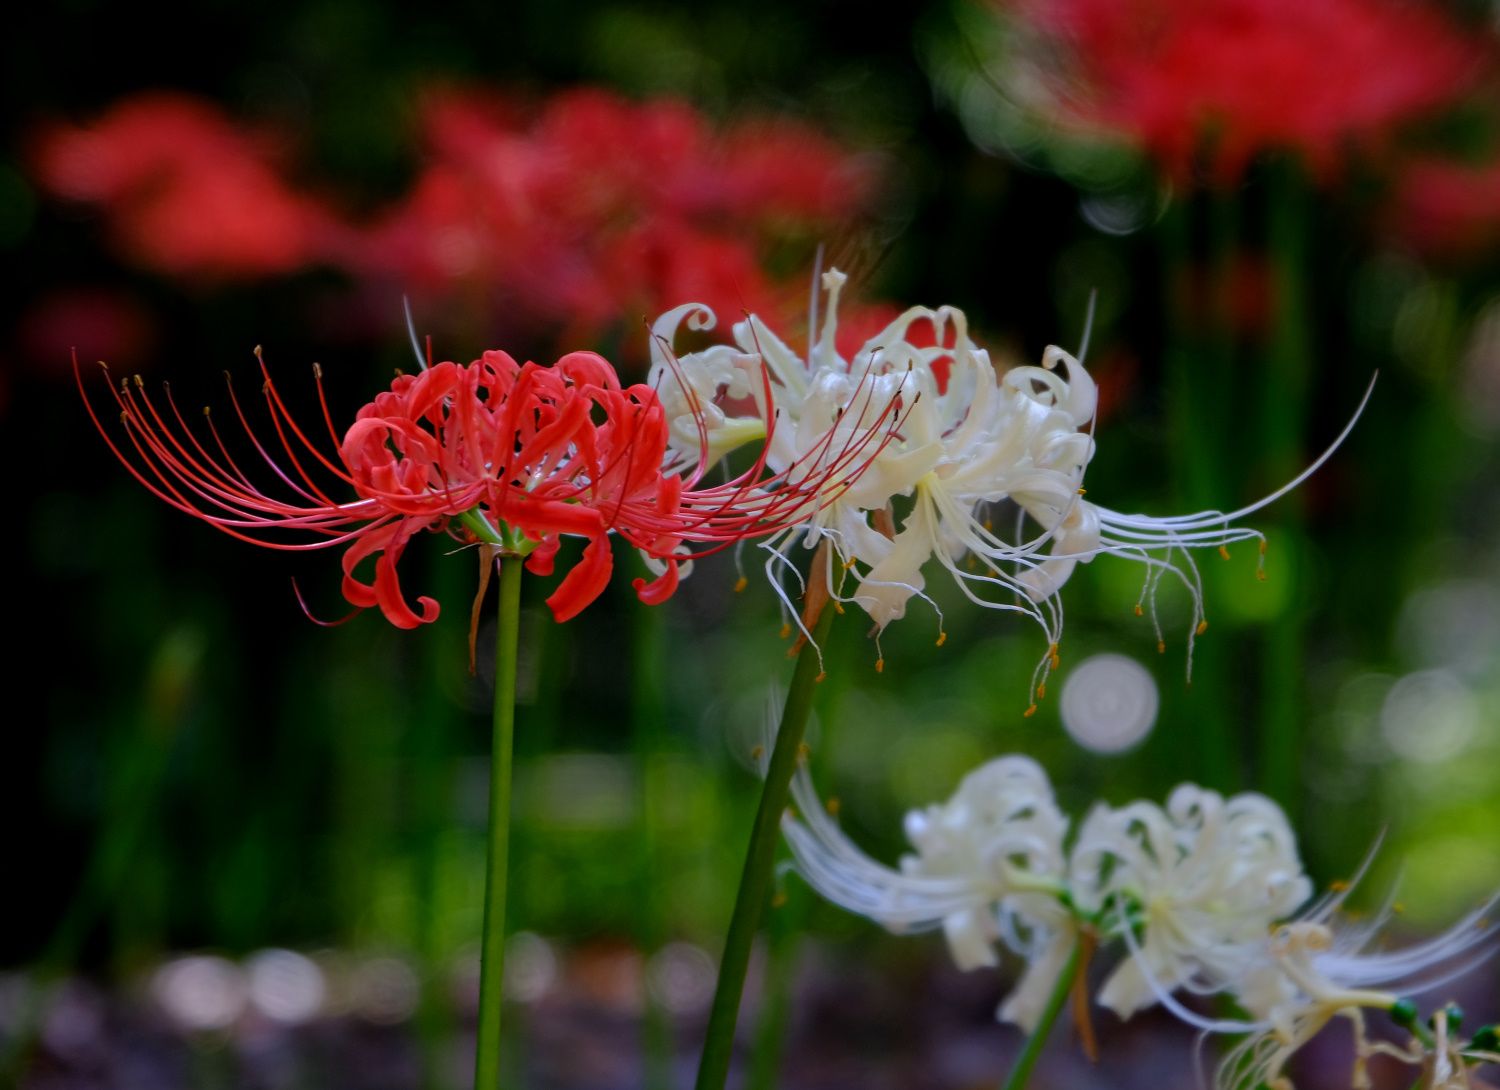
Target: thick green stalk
[1038,1039]
[755,879]
[492,948]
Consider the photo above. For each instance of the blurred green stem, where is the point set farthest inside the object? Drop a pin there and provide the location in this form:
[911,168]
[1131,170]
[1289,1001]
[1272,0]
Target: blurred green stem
[785,930]
[1200,365]
[1021,1073]
[1284,389]
[755,880]
[492,948]
[647,713]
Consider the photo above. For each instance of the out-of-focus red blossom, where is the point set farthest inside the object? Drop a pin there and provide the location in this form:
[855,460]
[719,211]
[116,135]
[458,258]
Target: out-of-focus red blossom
[186,191]
[1447,209]
[1241,299]
[521,455]
[577,215]
[97,323]
[1228,79]
[596,209]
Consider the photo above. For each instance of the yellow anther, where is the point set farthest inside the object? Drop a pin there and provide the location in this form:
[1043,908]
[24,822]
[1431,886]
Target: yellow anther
[757,753]
[1054,658]
[740,584]
[317,370]
[779,900]
[1161,647]
[942,638]
[1083,491]
[880,666]
[989,524]
[786,630]
[849,564]
[1224,551]
[140,383]
[1398,908]
[1041,691]
[1338,885]
[1139,612]
[833,806]
[1264,544]
[1260,574]
[1202,627]
[838,607]
[804,751]
[1029,712]
[821,676]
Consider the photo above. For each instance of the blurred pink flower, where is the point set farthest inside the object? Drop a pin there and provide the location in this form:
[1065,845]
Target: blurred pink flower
[1220,81]
[187,192]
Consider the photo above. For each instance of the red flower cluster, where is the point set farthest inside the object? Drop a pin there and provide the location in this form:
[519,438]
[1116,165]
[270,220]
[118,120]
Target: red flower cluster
[186,191]
[1227,79]
[596,208]
[575,217]
[509,455]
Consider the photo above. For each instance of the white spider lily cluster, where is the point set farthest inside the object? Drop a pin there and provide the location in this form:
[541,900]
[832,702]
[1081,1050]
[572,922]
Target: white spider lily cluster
[966,437]
[1202,893]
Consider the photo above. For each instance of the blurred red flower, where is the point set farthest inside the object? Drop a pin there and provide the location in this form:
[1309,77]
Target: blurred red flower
[97,323]
[187,192]
[573,218]
[1220,81]
[596,209]
[1448,209]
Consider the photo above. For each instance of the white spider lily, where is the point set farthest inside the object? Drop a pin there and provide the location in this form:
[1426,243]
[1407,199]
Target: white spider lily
[987,870]
[1318,967]
[1205,878]
[1201,892]
[1306,972]
[969,437]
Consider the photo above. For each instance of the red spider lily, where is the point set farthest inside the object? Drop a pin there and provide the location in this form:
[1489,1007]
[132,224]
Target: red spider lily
[1234,78]
[509,455]
[188,192]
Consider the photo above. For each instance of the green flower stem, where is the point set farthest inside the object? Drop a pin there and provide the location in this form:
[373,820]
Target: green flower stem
[647,716]
[1038,1039]
[755,880]
[492,948]
[785,931]
[1283,418]
[1200,367]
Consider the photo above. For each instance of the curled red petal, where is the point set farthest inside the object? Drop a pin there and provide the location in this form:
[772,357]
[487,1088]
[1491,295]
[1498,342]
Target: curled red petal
[659,589]
[385,592]
[585,582]
[544,556]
